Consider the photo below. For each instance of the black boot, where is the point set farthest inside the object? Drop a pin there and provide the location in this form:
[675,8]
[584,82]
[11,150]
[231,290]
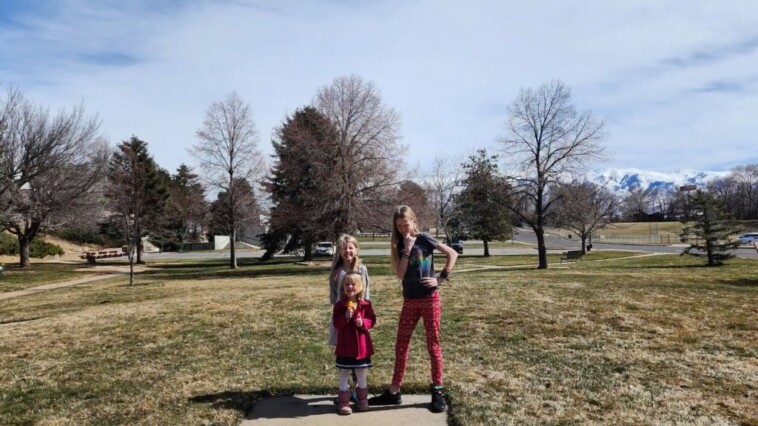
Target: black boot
[387,398]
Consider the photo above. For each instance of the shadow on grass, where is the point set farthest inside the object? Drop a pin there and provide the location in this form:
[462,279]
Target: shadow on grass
[17,320]
[741,282]
[141,283]
[616,266]
[233,400]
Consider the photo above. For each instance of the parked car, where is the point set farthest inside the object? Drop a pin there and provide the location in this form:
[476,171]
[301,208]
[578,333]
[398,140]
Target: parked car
[749,237]
[456,245]
[324,248]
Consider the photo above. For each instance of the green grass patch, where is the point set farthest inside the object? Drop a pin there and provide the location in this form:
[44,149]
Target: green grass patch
[657,339]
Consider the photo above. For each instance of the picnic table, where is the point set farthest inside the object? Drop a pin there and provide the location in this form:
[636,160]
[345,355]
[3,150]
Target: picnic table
[91,256]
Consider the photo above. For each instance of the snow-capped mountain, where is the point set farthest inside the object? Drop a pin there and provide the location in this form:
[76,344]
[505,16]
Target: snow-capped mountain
[622,181]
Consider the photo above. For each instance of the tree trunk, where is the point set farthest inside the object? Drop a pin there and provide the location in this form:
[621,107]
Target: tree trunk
[233,249]
[539,230]
[584,244]
[130,246]
[486,248]
[541,249]
[308,251]
[709,252]
[138,243]
[131,269]
[23,248]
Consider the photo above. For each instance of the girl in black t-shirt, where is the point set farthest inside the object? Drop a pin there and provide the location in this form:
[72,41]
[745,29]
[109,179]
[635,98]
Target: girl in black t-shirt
[413,261]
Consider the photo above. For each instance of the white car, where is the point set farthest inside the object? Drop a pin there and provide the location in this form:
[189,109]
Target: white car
[749,237]
[324,248]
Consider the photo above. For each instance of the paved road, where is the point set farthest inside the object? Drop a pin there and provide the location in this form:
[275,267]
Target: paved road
[554,244]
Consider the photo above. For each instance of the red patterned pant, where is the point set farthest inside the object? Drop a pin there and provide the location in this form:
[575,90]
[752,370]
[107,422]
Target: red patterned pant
[430,309]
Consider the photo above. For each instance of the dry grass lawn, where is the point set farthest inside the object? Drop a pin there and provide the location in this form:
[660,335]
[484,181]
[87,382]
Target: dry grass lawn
[653,340]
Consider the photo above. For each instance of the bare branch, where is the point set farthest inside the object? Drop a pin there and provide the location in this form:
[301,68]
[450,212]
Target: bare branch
[227,152]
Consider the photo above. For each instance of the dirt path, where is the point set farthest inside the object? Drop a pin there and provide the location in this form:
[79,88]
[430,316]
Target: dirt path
[107,272]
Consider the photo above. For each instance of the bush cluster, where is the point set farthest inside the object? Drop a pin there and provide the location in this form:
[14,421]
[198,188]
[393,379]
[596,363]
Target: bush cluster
[38,248]
[8,245]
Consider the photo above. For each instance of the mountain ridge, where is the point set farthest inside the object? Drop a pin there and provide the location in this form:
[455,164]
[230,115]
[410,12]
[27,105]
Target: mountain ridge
[624,180]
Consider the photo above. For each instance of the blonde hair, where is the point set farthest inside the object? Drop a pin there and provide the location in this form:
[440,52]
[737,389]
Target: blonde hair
[355,278]
[401,212]
[341,242]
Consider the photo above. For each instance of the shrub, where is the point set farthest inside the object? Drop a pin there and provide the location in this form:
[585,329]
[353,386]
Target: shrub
[38,249]
[41,248]
[8,245]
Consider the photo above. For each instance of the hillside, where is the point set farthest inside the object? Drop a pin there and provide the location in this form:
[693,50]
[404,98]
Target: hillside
[72,251]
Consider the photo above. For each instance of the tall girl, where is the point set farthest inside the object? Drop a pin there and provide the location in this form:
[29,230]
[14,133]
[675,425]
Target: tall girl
[412,257]
[353,317]
[346,259]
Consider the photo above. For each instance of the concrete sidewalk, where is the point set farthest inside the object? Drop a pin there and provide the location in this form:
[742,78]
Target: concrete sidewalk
[320,410]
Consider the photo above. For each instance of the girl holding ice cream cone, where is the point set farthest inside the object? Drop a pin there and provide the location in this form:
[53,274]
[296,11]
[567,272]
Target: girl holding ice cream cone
[353,317]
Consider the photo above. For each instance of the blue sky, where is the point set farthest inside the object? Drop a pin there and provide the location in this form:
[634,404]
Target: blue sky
[677,81]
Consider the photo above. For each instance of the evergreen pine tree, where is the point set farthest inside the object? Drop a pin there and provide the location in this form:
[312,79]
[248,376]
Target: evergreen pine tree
[712,231]
[480,202]
[136,189]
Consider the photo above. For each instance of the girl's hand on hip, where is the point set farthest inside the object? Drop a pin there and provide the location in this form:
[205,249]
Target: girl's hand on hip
[430,282]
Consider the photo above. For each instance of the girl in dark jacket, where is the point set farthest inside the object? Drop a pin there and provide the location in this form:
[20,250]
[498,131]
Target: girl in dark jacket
[353,316]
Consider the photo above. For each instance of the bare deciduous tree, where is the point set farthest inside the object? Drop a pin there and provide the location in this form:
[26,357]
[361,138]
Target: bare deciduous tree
[636,203]
[411,194]
[547,138]
[367,157]
[246,210]
[442,184]
[226,152]
[584,208]
[746,185]
[50,166]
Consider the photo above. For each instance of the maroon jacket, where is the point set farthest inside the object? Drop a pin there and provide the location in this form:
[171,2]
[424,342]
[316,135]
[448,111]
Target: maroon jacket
[351,340]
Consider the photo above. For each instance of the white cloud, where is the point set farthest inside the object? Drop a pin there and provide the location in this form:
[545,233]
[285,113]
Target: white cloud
[449,68]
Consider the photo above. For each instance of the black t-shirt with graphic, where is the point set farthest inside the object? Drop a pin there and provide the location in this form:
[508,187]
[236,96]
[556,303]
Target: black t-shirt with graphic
[420,264]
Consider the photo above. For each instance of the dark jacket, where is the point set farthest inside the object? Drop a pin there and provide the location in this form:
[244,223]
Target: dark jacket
[351,340]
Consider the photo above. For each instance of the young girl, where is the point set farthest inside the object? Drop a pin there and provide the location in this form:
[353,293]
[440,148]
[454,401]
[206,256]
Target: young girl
[353,316]
[413,261]
[346,259]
